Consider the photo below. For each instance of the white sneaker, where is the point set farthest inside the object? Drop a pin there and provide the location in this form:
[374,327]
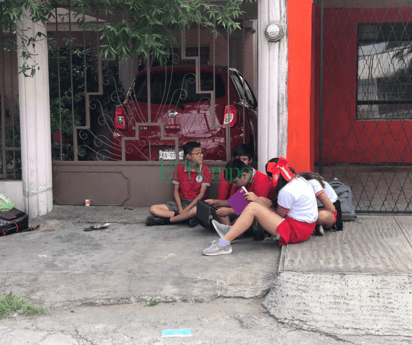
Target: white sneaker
[216,249]
[221,229]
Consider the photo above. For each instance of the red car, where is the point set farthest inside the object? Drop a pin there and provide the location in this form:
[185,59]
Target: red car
[185,114]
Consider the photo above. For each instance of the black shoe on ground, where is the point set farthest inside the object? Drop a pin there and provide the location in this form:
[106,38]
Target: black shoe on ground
[193,222]
[319,231]
[152,220]
[333,228]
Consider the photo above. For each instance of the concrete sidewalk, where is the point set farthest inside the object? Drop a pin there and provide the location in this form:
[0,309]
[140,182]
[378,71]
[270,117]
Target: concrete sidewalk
[128,261]
[352,282]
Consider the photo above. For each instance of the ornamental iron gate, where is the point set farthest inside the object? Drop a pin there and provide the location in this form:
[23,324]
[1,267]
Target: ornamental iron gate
[199,93]
[365,101]
[10,159]
[117,122]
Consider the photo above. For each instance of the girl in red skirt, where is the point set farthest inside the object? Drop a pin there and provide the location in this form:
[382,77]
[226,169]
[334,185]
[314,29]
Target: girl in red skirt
[291,218]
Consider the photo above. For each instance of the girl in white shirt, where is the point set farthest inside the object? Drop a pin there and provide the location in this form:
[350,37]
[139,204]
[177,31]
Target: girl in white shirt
[292,217]
[329,199]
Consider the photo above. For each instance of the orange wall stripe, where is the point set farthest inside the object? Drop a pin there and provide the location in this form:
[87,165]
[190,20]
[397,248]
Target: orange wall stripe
[300,98]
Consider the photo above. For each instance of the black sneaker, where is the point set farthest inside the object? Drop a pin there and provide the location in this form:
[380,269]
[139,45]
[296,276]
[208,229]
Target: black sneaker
[152,220]
[319,231]
[193,222]
[333,228]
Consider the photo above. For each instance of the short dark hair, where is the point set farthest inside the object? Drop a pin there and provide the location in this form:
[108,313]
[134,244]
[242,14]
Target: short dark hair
[243,150]
[235,168]
[189,146]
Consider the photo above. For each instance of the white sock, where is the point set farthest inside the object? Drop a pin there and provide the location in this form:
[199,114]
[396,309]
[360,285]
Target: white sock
[223,242]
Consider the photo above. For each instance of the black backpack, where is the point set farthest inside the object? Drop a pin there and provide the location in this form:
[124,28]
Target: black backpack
[13,221]
[205,213]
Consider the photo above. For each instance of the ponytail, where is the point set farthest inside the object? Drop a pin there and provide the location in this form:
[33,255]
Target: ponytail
[281,183]
[313,176]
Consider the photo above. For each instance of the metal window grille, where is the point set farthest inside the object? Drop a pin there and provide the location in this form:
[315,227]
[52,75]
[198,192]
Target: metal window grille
[365,101]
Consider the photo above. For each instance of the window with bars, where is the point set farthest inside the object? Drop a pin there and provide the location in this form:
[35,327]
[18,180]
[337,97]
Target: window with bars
[384,80]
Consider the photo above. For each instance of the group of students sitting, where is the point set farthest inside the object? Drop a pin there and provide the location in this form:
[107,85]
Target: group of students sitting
[283,202]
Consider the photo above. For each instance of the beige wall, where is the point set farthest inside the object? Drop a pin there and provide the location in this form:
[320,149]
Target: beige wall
[117,183]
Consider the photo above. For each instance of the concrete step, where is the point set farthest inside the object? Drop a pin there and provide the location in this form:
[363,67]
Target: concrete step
[357,281]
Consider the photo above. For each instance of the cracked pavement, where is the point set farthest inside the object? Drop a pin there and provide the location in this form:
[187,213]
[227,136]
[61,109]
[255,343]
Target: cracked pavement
[96,284]
[223,320]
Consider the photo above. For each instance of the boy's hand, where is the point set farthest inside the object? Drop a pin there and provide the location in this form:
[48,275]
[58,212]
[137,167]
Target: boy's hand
[251,197]
[180,210]
[224,211]
[213,202]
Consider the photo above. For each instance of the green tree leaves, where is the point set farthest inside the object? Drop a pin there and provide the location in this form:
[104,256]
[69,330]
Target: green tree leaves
[130,27]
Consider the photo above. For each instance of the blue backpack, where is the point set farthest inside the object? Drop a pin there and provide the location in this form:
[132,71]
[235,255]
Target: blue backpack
[345,197]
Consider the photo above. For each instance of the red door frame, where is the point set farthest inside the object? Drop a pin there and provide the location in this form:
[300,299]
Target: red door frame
[303,92]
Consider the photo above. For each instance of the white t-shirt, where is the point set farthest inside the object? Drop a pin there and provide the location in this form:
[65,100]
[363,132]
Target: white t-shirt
[298,198]
[317,188]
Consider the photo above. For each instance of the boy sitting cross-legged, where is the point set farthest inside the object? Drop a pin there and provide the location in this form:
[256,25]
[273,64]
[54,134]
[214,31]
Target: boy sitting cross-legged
[191,180]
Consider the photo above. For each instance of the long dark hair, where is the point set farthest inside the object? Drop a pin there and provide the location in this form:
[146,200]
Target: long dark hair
[312,176]
[281,183]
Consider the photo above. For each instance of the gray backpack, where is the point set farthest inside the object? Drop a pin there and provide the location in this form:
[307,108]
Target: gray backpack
[345,197]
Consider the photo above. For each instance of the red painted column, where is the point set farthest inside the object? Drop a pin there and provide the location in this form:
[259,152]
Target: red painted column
[301,85]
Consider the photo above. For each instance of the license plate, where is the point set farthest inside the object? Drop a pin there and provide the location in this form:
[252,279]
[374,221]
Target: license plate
[169,155]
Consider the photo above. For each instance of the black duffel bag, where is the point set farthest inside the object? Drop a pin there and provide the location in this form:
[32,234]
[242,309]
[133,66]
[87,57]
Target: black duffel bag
[13,221]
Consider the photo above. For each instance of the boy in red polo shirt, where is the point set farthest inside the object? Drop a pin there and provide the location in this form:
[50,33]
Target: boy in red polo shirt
[226,189]
[191,180]
[260,188]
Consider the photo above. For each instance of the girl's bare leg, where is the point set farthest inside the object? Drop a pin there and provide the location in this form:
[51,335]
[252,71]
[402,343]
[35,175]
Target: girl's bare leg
[325,218]
[266,217]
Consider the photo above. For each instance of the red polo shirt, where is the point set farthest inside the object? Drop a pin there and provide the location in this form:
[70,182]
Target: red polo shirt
[190,182]
[226,189]
[261,185]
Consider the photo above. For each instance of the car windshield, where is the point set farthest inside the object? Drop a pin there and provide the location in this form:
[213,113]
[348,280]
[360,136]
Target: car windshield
[176,88]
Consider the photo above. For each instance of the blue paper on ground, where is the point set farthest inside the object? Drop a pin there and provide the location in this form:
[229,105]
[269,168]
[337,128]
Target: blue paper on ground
[176,332]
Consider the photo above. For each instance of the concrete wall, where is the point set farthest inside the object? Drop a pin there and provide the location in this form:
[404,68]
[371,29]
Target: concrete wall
[117,183]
